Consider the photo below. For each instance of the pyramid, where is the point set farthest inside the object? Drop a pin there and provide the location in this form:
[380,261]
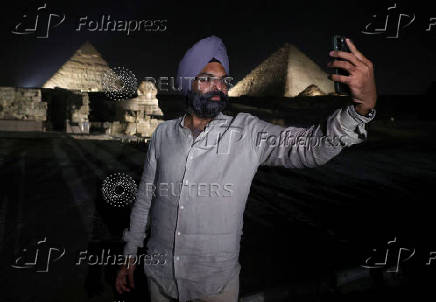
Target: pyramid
[287,72]
[83,71]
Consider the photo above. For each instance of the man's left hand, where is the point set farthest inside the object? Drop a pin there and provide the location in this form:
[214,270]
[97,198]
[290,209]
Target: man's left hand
[360,79]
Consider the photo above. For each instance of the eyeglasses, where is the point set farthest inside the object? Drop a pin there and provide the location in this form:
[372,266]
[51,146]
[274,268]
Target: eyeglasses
[208,79]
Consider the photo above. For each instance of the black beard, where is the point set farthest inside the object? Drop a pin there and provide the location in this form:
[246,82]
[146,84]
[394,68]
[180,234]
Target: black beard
[202,105]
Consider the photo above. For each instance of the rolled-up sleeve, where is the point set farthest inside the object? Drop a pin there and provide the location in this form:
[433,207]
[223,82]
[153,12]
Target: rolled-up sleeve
[135,235]
[297,147]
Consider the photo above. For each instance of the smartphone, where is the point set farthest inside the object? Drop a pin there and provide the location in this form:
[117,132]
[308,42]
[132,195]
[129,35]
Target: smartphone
[340,44]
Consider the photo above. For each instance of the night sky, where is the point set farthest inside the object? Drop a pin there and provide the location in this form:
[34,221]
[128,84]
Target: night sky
[251,32]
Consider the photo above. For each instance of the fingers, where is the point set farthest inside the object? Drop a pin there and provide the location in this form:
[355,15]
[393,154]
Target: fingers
[342,64]
[355,57]
[340,78]
[131,280]
[347,56]
[357,53]
[118,285]
[121,283]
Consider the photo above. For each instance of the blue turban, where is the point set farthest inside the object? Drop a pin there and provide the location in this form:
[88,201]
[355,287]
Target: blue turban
[197,57]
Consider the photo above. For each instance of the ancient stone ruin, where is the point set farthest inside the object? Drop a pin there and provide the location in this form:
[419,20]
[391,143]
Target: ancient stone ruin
[68,110]
[21,109]
[78,121]
[63,104]
[138,116]
[66,105]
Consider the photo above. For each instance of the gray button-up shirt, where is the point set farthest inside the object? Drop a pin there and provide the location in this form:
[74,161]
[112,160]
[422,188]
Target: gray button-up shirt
[194,191]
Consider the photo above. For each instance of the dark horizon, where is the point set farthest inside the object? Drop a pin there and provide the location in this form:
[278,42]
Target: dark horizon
[404,65]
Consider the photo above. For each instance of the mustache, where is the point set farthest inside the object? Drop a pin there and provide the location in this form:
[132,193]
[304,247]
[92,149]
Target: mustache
[203,105]
[208,95]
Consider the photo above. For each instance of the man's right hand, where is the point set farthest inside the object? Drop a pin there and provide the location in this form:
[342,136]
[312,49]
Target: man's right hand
[126,272]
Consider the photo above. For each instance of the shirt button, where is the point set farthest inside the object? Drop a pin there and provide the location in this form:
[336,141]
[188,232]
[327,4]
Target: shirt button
[182,207]
[186,181]
[178,233]
[191,156]
[177,258]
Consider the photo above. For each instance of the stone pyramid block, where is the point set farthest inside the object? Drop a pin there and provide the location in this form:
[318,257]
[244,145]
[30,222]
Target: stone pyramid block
[287,72]
[83,71]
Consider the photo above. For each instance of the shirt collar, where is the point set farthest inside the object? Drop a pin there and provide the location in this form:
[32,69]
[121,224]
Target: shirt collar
[219,119]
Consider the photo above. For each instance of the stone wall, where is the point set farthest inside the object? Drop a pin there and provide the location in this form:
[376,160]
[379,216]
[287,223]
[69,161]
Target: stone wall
[22,104]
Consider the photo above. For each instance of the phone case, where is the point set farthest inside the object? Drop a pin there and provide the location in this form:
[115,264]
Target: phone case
[340,44]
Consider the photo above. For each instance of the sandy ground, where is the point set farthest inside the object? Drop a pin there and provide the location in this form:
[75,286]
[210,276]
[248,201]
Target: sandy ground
[302,227]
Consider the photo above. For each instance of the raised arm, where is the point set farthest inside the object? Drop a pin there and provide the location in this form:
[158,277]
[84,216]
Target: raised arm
[296,147]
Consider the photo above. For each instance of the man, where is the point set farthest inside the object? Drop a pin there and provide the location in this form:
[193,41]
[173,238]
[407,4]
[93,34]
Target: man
[206,161]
